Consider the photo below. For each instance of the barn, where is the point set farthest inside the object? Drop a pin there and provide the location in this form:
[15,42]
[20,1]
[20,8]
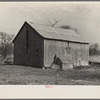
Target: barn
[38,45]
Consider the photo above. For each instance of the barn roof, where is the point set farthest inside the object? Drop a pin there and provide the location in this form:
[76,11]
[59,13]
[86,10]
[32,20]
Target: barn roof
[57,33]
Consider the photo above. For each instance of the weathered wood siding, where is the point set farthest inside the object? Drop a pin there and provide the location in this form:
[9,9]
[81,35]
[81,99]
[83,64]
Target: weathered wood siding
[28,51]
[77,53]
[51,48]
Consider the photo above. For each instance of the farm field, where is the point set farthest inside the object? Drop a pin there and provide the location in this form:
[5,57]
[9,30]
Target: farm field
[22,75]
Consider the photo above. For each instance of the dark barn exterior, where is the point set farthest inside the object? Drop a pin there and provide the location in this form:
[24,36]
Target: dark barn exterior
[36,45]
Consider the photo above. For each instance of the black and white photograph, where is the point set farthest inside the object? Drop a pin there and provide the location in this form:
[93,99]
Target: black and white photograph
[50,43]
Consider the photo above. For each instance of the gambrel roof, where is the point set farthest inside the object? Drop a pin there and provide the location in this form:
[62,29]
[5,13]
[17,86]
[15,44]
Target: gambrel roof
[56,33]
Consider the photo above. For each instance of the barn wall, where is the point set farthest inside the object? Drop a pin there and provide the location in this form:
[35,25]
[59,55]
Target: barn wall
[79,53]
[51,48]
[75,53]
[31,55]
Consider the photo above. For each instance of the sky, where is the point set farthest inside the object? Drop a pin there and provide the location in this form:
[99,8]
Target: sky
[84,16]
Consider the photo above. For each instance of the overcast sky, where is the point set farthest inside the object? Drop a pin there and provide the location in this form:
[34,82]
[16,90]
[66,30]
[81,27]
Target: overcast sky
[84,16]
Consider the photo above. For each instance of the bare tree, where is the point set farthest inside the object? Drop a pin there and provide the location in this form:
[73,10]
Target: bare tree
[5,42]
[55,22]
[93,49]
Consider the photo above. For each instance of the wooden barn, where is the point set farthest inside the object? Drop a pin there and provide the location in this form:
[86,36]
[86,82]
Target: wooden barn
[38,45]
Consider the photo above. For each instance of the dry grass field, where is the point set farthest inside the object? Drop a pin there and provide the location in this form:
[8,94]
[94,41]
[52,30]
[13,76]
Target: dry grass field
[22,75]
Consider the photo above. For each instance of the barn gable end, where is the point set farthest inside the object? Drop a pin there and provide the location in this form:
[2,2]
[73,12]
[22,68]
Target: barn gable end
[22,34]
[28,47]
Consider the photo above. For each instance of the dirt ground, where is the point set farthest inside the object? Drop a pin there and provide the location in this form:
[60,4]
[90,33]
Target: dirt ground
[22,75]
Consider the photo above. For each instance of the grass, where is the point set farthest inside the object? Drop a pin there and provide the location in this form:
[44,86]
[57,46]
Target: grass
[22,75]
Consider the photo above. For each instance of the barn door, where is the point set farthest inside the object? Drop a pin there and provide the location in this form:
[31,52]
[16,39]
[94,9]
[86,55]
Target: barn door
[38,57]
